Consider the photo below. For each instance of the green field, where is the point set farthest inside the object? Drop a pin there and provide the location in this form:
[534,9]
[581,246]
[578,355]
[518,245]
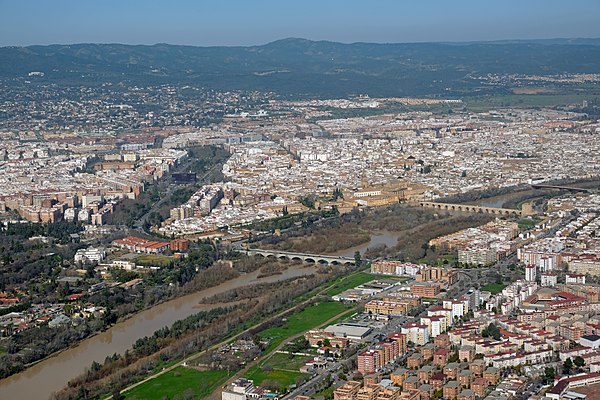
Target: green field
[527,223]
[181,380]
[493,288]
[281,369]
[154,260]
[352,281]
[388,277]
[283,378]
[446,260]
[283,361]
[429,299]
[2,350]
[312,316]
[349,282]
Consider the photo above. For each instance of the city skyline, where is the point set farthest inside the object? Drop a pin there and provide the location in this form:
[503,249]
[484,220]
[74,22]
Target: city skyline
[234,23]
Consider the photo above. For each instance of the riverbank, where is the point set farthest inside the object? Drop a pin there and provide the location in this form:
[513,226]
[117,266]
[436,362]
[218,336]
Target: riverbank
[45,377]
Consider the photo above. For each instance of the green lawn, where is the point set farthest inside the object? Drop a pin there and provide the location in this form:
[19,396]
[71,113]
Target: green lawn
[349,282]
[304,320]
[2,350]
[451,259]
[154,260]
[493,288]
[283,361]
[352,281]
[283,378]
[527,223]
[389,277]
[430,299]
[179,381]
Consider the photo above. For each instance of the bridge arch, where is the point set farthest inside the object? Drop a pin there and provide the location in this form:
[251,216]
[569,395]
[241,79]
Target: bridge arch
[300,257]
[470,208]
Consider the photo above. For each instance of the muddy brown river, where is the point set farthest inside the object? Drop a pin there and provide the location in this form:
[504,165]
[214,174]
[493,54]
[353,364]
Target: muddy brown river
[42,379]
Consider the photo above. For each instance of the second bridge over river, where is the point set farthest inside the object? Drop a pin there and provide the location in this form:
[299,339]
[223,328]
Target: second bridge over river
[470,208]
[310,258]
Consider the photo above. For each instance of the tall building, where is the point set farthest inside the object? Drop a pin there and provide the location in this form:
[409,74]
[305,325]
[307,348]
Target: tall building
[369,361]
[530,273]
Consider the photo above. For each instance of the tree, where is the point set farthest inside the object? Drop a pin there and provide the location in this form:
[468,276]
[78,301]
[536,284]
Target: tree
[492,331]
[95,366]
[549,374]
[337,194]
[567,366]
[357,258]
[579,361]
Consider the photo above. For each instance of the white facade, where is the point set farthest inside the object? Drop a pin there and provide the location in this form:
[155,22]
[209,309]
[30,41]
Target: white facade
[575,278]
[436,325]
[458,308]
[549,280]
[530,273]
[91,254]
[547,264]
[418,334]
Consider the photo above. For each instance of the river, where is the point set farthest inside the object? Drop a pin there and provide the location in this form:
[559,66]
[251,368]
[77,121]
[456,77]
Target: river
[42,379]
[378,238]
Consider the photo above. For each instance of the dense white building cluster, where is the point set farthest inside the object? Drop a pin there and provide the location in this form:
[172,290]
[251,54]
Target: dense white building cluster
[449,155]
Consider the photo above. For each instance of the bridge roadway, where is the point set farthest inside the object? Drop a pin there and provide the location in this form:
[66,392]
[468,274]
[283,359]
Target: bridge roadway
[312,258]
[569,188]
[470,208]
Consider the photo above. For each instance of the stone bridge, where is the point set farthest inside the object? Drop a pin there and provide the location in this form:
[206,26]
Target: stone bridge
[470,208]
[569,188]
[310,258]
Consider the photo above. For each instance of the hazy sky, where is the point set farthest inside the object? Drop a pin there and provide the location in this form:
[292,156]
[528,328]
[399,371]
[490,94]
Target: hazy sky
[229,22]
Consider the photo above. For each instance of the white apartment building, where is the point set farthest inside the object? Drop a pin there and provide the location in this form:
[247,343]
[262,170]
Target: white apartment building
[91,254]
[416,333]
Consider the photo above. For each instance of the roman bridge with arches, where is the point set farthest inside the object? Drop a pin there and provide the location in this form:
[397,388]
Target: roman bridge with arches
[308,258]
[470,208]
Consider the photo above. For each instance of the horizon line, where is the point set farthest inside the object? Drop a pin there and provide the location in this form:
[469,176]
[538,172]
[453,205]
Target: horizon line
[495,41]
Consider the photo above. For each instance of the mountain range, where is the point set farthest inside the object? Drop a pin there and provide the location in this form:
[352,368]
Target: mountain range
[304,68]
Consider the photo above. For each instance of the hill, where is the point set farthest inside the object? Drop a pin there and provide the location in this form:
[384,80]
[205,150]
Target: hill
[303,68]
